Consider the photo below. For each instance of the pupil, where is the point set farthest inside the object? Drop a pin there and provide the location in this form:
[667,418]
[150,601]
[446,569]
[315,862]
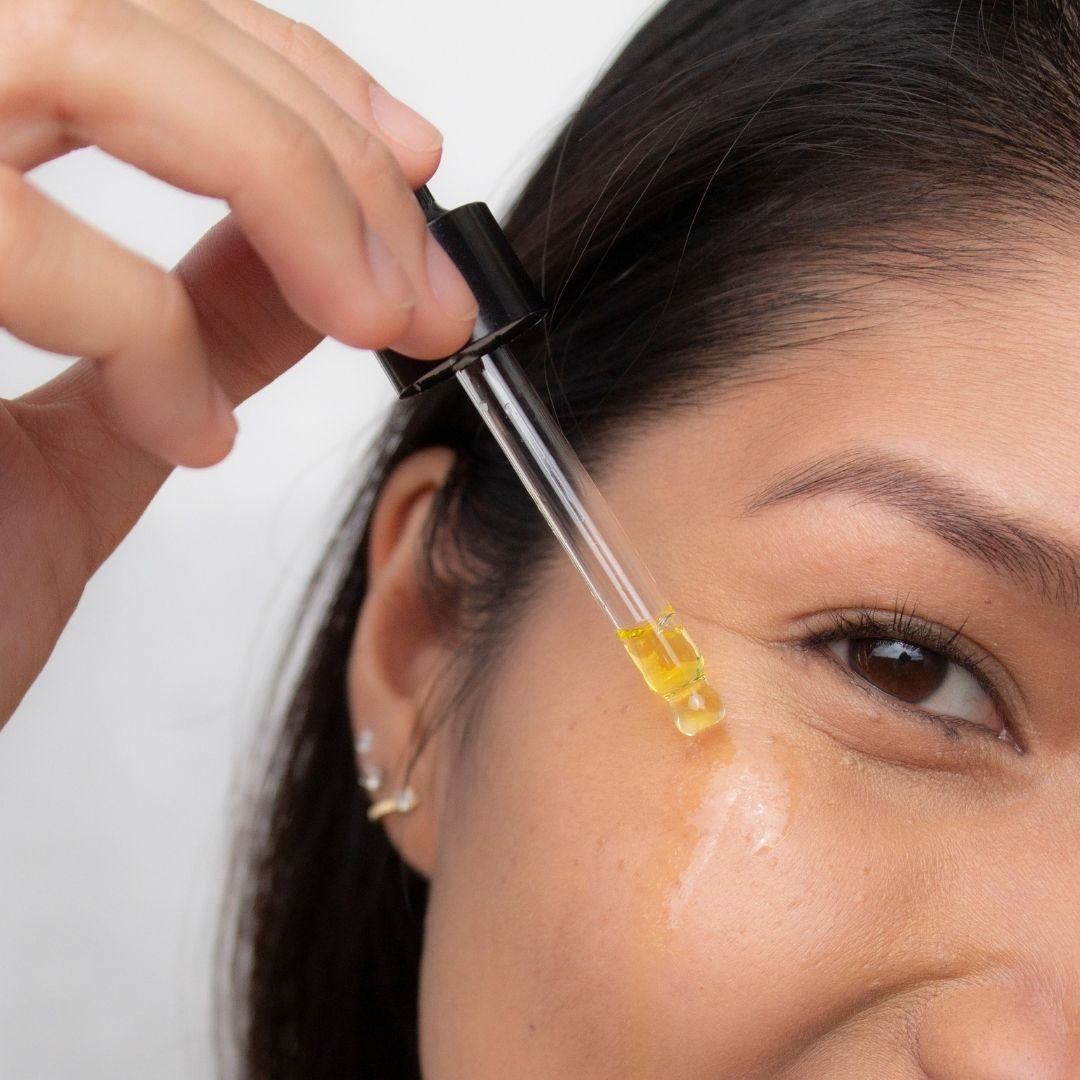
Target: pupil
[899,668]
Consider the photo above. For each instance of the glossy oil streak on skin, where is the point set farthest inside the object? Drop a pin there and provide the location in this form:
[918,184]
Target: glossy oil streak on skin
[733,802]
[749,807]
[703,764]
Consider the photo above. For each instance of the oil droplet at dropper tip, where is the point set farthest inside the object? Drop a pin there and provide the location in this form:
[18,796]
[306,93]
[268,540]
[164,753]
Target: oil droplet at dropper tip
[697,710]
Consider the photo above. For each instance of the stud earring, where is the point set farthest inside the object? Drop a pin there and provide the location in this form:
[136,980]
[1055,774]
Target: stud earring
[371,778]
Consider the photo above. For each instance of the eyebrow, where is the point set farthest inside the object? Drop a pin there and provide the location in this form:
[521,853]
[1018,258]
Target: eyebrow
[960,514]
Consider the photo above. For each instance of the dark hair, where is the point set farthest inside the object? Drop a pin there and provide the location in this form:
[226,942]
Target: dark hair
[742,168]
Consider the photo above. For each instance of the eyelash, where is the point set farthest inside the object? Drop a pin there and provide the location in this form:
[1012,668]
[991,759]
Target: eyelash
[906,625]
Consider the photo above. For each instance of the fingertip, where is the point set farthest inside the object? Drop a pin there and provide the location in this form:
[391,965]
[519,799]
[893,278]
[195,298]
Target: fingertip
[389,275]
[444,319]
[401,125]
[225,427]
[368,323]
[204,452]
[424,341]
[415,142]
[208,444]
[449,287]
[418,168]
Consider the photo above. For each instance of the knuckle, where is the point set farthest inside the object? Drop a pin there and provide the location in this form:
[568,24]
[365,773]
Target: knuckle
[300,149]
[306,48]
[179,13]
[42,41]
[366,159]
[60,24]
[301,43]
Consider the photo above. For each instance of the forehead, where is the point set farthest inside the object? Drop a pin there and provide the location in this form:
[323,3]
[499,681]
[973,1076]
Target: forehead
[983,377]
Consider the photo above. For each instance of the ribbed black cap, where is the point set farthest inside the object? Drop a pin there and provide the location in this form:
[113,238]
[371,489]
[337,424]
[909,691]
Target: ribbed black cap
[509,301]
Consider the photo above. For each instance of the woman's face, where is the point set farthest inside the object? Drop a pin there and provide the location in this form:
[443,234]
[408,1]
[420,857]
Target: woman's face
[874,869]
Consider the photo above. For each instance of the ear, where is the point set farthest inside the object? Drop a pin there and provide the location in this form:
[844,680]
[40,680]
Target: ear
[399,650]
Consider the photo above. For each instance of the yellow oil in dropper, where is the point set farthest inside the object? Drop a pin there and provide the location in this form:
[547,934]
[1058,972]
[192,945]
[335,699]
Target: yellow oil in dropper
[672,667]
[583,523]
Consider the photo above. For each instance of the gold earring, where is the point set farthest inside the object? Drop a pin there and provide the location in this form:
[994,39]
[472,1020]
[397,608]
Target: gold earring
[371,778]
[401,802]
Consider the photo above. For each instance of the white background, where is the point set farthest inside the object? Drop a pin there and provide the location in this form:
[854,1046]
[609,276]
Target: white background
[117,774]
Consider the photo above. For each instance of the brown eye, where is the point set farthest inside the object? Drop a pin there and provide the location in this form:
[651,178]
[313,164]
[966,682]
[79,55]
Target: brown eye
[901,669]
[939,682]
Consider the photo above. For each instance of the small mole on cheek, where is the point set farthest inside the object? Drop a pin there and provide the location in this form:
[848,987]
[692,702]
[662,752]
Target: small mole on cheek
[950,732]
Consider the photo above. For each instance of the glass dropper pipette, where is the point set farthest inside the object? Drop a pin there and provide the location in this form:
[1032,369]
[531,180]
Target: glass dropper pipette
[591,535]
[548,466]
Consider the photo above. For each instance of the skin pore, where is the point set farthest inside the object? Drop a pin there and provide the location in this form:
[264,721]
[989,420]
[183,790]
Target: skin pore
[843,884]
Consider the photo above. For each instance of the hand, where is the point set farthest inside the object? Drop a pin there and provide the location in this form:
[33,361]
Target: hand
[318,165]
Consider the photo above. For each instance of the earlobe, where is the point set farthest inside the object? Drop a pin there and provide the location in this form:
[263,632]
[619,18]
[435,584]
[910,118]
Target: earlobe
[399,650]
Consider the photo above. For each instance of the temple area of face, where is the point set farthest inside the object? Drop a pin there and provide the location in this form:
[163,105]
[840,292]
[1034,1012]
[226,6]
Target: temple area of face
[946,506]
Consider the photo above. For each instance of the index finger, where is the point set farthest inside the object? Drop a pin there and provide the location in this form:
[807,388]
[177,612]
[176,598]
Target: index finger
[109,71]
[343,79]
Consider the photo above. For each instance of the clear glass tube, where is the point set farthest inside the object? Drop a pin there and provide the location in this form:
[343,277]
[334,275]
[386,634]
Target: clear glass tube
[562,489]
[581,519]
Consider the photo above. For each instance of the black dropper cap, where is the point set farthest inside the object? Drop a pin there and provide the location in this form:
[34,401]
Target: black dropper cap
[509,301]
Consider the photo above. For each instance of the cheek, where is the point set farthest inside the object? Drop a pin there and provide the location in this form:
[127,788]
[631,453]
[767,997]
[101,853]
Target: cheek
[613,899]
[763,925]
[743,812]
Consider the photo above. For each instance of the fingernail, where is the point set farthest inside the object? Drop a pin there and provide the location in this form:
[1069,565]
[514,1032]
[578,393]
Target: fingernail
[390,277]
[454,296]
[401,125]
